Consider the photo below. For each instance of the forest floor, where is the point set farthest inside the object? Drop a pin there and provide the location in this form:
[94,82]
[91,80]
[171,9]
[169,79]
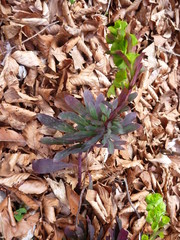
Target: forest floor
[51,47]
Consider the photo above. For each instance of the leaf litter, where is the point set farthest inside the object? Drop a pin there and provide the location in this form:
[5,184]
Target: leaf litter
[51,49]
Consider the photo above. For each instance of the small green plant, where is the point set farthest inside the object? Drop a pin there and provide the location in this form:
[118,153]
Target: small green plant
[124,55]
[19,213]
[156,216]
[94,123]
[72,1]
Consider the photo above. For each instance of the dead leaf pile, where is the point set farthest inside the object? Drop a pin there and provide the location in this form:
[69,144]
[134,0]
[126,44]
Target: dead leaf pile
[49,49]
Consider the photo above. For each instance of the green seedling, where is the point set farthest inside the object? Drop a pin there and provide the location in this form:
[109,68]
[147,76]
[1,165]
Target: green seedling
[19,213]
[72,1]
[124,55]
[156,216]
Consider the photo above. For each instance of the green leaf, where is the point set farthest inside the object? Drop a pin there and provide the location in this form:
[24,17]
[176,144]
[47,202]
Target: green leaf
[121,79]
[161,235]
[75,105]
[54,123]
[90,104]
[145,237]
[132,96]
[69,138]
[111,91]
[134,40]
[73,117]
[120,24]
[165,220]
[19,213]
[154,198]
[155,226]
[18,217]
[110,146]
[106,111]
[71,150]
[113,30]
[132,57]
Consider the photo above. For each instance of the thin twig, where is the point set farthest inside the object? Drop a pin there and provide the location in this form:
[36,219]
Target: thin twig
[170,52]
[79,205]
[108,6]
[129,198]
[26,40]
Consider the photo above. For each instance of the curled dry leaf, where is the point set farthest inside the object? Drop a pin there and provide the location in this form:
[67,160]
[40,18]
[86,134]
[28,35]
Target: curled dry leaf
[11,214]
[33,21]
[49,203]
[7,135]
[138,225]
[59,190]
[86,77]
[73,199]
[17,117]
[77,58]
[145,176]
[27,58]
[33,187]
[95,201]
[31,203]
[21,229]
[15,179]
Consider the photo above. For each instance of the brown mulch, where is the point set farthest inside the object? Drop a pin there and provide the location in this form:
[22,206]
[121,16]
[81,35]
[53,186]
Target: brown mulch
[51,47]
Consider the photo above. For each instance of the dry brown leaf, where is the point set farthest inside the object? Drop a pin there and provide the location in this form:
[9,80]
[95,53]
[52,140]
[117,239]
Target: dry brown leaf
[33,21]
[11,214]
[86,77]
[13,96]
[73,200]
[139,196]
[33,136]
[11,31]
[129,164]
[145,176]
[67,14]
[7,135]
[67,47]
[77,58]
[95,201]
[27,58]
[17,117]
[84,49]
[49,203]
[27,200]
[59,190]
[15,179]
[33,187]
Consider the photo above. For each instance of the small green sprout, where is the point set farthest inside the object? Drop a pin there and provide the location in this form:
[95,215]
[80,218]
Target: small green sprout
[124,56]
[72,1]
[19,213]
[156,216]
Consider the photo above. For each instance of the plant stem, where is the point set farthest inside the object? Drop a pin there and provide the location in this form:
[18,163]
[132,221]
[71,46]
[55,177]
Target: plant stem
[79,170]
[155,234]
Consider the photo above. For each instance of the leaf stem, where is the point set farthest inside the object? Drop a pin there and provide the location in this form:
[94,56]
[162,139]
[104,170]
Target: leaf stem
[79,169]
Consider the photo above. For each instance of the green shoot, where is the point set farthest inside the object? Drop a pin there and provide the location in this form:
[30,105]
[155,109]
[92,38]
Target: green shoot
[123,55]
[19,213]
[156,216]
